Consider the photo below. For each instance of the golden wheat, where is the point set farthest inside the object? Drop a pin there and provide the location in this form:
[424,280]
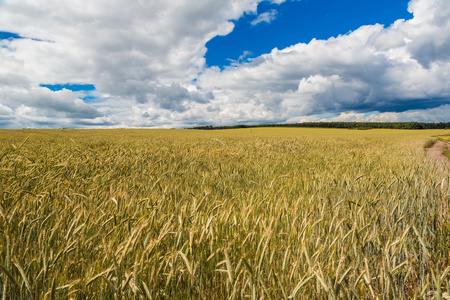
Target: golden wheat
[232,214]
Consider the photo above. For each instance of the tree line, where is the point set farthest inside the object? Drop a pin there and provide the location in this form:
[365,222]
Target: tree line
[345,125]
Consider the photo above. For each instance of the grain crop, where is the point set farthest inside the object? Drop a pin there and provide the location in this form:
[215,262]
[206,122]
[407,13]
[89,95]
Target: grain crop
[257,213]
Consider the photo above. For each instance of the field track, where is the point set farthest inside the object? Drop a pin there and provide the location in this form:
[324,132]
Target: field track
[436,151]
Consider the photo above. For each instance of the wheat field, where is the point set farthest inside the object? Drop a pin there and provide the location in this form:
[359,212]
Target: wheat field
[263,213]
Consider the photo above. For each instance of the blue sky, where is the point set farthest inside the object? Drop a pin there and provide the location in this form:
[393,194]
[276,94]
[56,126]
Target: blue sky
[8,35]
[299,22]
[69,86]
[178,63]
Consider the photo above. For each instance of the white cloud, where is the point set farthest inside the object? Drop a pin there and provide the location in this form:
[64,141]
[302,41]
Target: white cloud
[146,59]
[133,52]
[371,69]
[267,17]
[436,115]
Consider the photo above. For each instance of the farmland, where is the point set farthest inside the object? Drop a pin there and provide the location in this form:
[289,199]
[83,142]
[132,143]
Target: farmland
[255,213]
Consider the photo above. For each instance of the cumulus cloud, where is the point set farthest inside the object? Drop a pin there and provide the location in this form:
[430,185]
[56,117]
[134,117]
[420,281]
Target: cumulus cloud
[146,60]
[400,68]
[429,31]
[132,53]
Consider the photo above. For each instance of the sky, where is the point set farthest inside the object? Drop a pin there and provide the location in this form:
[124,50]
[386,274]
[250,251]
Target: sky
[178,63]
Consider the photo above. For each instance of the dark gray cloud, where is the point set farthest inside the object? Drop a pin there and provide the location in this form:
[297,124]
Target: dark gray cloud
[177,98]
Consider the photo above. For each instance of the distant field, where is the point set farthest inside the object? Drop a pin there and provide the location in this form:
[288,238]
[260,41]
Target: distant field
[445,137]
[269,213]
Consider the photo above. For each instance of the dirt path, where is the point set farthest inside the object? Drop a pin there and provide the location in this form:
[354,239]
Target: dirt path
[436,151]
